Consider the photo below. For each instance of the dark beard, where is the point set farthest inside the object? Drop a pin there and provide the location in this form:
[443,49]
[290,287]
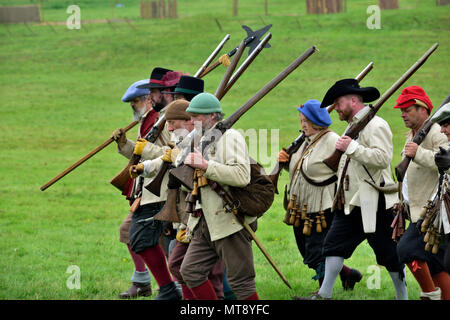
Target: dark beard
[158,106]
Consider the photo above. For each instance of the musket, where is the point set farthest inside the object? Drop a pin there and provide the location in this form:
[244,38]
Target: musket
[128,127]
[86,157]
[400,169]
[121,179]
[154,186]
[185,173]
[212,56]
[296,144]
[333,161]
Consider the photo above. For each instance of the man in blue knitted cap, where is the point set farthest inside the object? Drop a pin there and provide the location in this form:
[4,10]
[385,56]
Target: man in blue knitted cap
[216,233]
[142,112]
[311,190]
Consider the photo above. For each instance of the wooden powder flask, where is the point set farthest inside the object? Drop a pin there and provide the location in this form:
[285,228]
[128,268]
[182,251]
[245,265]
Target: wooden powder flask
[297,216]
[307,227]
[436,243]
[290,214]
[304,212]
[318,224]
[293,213]
[322,219]
[427,216]
[202,181]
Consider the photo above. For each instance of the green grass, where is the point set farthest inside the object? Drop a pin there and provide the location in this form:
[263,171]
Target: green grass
[61,93]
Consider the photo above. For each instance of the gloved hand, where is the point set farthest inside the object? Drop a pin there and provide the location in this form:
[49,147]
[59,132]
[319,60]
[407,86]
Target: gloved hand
[119,136]
[167,157]
[181,236]
[283,156]
[136,170]
[139,146]
[442,160]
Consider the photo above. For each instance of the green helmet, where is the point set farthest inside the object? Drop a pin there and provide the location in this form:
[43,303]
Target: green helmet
[204,103]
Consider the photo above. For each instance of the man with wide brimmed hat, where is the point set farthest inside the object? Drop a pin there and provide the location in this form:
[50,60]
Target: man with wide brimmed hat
[216,233]
[161,82]
[311,190]
[442,160]
[420,185]
[187,88]
[360,211]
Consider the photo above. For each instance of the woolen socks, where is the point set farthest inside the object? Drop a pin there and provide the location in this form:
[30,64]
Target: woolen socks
[333,266]
[401,293]
[155,259]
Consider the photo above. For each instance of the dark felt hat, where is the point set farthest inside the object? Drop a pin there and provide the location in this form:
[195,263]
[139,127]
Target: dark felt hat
[349,86]
[156,79]
[188,85]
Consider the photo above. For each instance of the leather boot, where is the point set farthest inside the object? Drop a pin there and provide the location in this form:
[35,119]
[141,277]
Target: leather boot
[169,292]
[137,290]
[348,282]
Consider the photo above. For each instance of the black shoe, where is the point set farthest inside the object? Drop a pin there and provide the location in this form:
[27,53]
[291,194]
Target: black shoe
[348,283]
[169,292]
[137,290]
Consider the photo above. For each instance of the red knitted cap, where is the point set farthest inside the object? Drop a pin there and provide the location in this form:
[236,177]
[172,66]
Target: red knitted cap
[409,95]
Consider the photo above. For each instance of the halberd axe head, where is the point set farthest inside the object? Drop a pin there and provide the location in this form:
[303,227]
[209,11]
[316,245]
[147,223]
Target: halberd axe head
[256,37]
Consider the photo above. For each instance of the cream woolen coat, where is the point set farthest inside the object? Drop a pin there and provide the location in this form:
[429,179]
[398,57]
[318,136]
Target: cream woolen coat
[151,151]
[422,176]
[229,165]
[374,149]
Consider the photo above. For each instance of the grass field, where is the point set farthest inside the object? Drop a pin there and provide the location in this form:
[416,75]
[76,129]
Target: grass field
[61,93]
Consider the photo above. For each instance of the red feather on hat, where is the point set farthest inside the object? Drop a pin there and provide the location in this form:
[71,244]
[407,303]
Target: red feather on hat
[171,78]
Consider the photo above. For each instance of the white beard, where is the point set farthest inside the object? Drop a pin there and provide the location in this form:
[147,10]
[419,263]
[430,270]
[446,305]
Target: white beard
[137,115]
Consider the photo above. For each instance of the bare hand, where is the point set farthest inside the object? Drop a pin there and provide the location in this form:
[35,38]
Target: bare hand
[343,143]
[283,156]
[120,137]
[411,149]
[195,160]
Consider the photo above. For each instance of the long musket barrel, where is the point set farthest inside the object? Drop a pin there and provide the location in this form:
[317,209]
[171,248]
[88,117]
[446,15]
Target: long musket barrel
[229,72]
[212,56]
[154,186]
[85,158]
[333,161]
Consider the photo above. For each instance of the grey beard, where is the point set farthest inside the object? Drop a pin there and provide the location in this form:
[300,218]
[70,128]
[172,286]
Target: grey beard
[137,115]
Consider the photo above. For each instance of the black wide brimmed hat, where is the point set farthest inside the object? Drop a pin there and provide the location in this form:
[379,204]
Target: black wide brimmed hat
[188,85]
[349,86]
[156,79]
